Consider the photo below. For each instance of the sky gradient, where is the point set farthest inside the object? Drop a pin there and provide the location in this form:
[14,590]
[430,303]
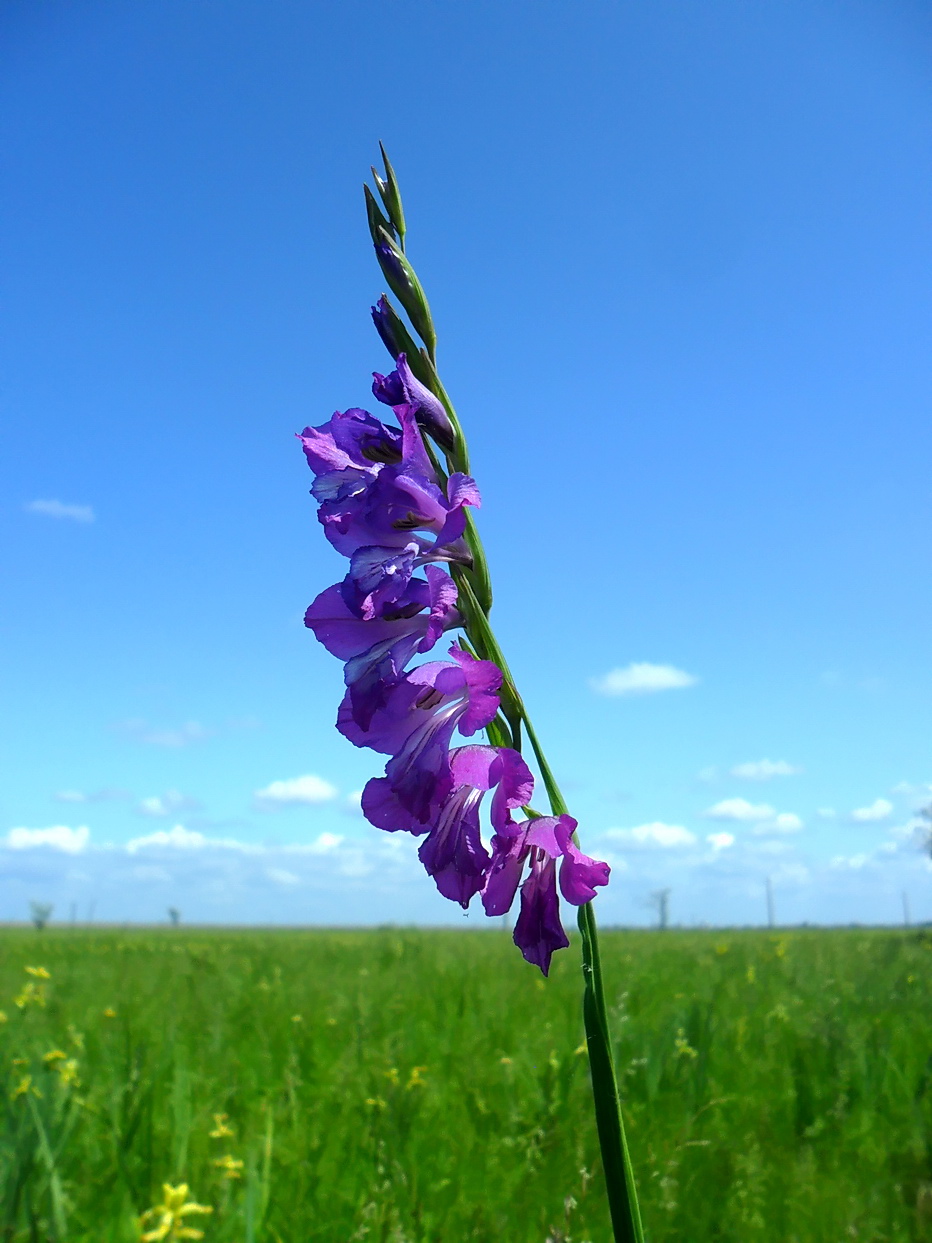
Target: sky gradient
[679,257]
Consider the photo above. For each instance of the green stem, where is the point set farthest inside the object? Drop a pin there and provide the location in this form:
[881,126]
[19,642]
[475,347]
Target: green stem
[475,601]
[616,1159]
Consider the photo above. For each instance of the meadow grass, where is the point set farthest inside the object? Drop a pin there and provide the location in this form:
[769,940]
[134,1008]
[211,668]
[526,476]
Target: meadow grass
[429,1087]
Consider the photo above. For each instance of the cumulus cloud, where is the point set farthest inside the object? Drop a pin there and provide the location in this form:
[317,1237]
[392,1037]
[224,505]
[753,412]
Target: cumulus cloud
[642,679]
[168,804]
[180,838]
[323,844]
[58,509]
[739,809]
[764,770]
[139,730]
[57,837]
[653,835]
[306,791]
[720,841]
[783,822]
[879,809]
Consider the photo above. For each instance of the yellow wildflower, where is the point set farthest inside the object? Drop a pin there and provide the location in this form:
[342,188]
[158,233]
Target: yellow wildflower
[167,1218]
[68,1072]
[54,1055]
[3,1017]
[682,1047]
[751,974]
[416,1078]
[505,1061]
[221,1130]
[722,948]
[297,1018]
[24,1088]
[375,1102]
[230,1165]
[76,1037]
[38,973]
[392,1074]
[32,995]
[109,1013]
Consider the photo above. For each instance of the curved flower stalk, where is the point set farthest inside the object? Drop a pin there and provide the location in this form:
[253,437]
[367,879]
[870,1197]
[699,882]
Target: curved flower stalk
[397,500]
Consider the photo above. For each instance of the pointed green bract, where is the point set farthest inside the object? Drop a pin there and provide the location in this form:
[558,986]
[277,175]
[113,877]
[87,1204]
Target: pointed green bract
[391,196]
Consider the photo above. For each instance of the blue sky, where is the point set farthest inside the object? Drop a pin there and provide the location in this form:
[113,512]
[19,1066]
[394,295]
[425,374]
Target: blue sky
[679,256]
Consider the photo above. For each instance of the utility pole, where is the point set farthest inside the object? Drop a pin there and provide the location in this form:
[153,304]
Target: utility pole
[770,917]
[660,899]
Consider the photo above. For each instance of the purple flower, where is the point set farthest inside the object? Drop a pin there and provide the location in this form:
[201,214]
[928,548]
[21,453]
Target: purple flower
[545,839]
[402,387]
[382,506]
[538,931]
[453,853]
[352,440]
[415,727]
[376,651]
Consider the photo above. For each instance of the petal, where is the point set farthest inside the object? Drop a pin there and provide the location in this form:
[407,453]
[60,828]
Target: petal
[538,931]
[501,885]
[579,875]
[515,787]
[381,808]
[453,854]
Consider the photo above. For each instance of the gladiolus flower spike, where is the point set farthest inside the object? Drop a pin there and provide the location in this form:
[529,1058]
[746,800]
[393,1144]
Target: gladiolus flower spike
[396,499]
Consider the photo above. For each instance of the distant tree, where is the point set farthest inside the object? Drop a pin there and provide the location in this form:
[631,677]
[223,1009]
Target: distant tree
[174,915]
[40,913]
[660,901]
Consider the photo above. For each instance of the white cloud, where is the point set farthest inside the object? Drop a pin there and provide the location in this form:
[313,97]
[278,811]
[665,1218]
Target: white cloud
[306,791]
[58,837]
[167,804]
[141,731]
[58,509]
[879,809]
[180,838]
[740,809]
[655,834]
[642,679]
[720,841]
[855,862]
[282,877]
[783,822]
[764,770]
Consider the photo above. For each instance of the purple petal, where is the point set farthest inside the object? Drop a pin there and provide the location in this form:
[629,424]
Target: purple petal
[425,404]
[515,787]
[381,808]
[453,854]
[538,931]
[501,885]
[483,679]
[388,389]
[579,874]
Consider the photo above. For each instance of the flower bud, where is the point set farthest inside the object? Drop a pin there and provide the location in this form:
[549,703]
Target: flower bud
[406,287]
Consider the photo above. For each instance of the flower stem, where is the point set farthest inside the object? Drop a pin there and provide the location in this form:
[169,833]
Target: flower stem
[616,1160]
[475,601]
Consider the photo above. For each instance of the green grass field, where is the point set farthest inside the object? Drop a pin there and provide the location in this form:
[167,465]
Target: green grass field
[413,1086]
